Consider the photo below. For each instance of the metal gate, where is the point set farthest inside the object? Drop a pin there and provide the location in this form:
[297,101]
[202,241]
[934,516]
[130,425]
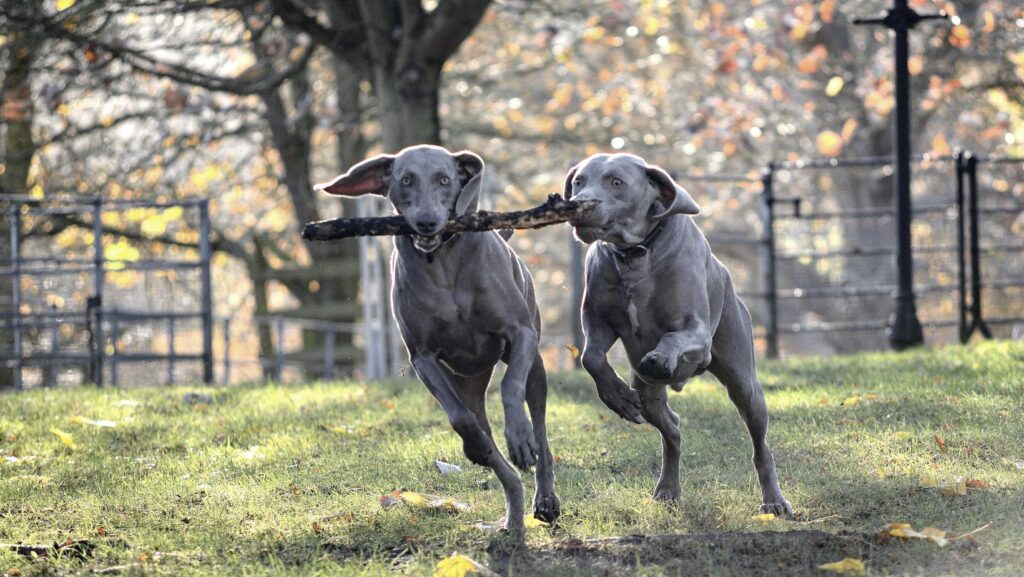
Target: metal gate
[105,291]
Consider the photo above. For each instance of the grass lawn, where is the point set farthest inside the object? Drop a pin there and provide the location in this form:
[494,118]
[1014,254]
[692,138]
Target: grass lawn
[287,479]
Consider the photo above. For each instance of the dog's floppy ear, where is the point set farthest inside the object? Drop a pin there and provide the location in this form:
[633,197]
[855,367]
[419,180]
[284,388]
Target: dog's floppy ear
[368,177]
[471,176]
[567,186]
[673,196]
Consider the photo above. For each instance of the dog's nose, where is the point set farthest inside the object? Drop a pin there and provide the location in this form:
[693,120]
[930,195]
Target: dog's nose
[427,226]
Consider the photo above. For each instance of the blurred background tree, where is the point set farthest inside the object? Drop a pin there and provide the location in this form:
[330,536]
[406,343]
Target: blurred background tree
[250,102]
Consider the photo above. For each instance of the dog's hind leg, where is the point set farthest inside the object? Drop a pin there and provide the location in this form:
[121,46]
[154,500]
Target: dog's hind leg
[456,395]
[546,505]
[733,364]
[655,408]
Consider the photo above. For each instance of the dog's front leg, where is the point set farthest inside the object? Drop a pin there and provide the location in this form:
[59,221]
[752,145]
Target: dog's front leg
[692,345]
[476,444]
[522,444]
[612,390]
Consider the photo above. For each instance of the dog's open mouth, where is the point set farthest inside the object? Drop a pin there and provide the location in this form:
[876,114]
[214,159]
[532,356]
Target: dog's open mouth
[426,243]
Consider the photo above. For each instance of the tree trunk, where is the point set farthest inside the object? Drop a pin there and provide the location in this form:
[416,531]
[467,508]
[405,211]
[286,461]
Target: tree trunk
[408,102]
[18,149]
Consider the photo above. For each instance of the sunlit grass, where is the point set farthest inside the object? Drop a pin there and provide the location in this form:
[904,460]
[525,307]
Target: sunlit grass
[286,479]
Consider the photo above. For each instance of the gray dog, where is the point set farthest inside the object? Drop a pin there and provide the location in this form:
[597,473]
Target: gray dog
[653,282]
[462,303]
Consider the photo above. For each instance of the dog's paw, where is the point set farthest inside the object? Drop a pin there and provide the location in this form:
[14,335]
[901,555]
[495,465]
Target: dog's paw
[657,366]
[624,401]
[780,508]
[547,508]
[522,445]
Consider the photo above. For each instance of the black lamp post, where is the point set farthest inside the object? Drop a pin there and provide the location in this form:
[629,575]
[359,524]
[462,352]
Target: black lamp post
[904,328]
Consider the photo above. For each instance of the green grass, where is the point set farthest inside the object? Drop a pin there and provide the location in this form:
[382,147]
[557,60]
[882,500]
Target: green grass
[236,486]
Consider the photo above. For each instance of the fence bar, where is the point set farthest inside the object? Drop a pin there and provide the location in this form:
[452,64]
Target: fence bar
[329,340]
[207,297]
[97,299]
[170,350]
[768,263]
[961,253]
[226,335]
[279,357]
[115,333]
[15,222]
[977,320]
[54,346]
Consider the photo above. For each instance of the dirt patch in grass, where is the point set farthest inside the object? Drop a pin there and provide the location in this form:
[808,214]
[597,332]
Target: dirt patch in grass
[729,553]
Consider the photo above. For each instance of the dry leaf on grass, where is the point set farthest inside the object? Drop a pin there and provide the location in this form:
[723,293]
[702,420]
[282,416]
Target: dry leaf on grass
[67,438]
[937,536]
[446,468]
[459,566]
[764,517]
[87,421]
[847,566]
[423,501]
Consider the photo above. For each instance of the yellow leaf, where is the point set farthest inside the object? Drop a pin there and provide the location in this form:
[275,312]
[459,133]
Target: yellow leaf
[929,482]
[848,566]
[851,400]
[573,350]
[86,421]
[835,86]
[849,127]
[455,566]
[414,499]
[940,146]
[530,522]
[65,438]
[63,5]
[829,143]
[764,517]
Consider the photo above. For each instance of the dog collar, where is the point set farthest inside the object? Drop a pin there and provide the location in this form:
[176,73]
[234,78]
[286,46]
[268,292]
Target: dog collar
[637,250]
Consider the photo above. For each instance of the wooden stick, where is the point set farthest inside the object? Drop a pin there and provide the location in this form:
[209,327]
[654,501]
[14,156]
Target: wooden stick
[554,211]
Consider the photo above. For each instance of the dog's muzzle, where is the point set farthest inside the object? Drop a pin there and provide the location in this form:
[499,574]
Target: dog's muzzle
[426,243]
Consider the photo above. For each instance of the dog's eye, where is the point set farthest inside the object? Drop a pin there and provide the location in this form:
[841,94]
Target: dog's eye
[616,182]
[445,180]
[577,182]
[406,181]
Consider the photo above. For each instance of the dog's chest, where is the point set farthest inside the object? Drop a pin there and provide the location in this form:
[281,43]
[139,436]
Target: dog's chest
[635,288]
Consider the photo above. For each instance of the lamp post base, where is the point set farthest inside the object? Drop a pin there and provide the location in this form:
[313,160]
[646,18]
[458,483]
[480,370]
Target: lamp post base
[904,330]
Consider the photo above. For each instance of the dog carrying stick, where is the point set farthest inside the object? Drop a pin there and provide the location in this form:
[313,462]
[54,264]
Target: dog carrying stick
[554,211]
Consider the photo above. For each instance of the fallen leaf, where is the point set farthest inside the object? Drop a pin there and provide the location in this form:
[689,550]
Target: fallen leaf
[976,484]
[532,522]
[958,487]
[937,536]
[65,438]
[764,517]
[86,421]
[848,566]
[929,482]
[447,468]
[316,528]
[455,566]
[941,442]
[422,501]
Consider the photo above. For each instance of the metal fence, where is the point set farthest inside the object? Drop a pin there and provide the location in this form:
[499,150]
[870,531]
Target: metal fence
[105,291]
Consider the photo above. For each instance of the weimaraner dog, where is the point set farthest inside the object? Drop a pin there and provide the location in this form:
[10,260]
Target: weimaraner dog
[653,282]
[462,303]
